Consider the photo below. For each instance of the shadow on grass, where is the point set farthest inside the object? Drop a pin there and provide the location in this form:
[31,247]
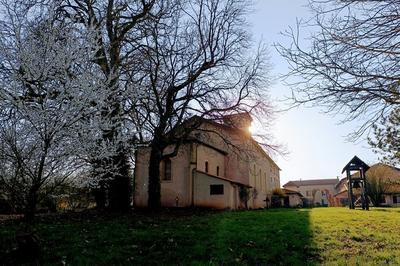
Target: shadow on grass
[278,237]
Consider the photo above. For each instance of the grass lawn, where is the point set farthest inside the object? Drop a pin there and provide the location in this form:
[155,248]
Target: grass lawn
[332,236]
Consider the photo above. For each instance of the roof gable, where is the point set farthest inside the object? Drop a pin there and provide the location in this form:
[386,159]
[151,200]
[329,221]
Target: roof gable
[355,164]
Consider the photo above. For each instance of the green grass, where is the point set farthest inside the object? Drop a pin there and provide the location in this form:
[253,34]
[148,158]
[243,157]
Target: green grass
[332,236]
[356,237]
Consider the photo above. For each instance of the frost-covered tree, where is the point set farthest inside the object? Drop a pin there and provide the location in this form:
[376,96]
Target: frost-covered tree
[46,83]
[118,25]
[112,26]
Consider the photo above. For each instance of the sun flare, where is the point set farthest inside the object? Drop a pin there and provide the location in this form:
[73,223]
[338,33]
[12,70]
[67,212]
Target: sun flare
[251,129]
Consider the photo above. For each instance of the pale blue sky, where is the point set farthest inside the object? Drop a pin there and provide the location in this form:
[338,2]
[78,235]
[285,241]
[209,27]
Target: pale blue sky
[316,141]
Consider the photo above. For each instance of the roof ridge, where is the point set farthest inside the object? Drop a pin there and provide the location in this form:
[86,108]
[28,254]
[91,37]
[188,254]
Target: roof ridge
[324,181]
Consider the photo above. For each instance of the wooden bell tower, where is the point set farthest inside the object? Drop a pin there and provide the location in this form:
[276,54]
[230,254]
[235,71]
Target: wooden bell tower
[356,181]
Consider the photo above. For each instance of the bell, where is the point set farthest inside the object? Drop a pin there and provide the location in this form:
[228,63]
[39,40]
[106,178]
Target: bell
[356,184]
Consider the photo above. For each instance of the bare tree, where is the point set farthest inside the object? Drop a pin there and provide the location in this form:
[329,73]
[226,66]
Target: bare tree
[351,66]
[378,181]
[197,62]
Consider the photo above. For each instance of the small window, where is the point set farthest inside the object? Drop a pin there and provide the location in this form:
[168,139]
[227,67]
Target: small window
[216,189]
[167,170]
[206,167]
[308,193]
[217,170]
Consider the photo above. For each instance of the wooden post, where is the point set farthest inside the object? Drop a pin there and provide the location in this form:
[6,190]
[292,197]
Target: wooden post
[364,191]
[362,196]
[350,189]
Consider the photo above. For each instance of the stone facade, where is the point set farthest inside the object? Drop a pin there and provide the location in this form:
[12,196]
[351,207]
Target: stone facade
[211,169]
[334,192]
[292,198]
[390,174]
[316,192]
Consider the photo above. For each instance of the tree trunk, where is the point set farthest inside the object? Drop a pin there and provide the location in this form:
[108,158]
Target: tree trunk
[120,186]
[117,165]
[100,196]
[30,210]
[154,189]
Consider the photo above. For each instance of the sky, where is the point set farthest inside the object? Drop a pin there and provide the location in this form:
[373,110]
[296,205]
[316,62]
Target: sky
[316,141]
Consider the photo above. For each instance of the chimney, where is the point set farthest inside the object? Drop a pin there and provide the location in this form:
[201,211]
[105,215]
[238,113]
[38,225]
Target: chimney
[240,121]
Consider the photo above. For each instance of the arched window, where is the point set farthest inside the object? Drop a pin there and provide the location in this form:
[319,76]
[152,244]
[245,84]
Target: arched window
[206,167]
[217,170]
[167,169]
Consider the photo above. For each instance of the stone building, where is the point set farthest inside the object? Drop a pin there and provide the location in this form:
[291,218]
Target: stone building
[292,198]
[219,166]
[334,192]
[316,192]
[389,181]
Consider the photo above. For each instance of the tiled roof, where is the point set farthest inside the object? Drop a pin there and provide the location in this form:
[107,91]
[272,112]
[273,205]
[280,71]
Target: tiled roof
[312,182]
[289,191]
[342,181]
[393,188]
[395,169]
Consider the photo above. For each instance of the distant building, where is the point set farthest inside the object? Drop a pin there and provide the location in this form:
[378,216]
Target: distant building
[391,178]
[341,197]
[292,198]
[316,192]
[334,192]
[219,166]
